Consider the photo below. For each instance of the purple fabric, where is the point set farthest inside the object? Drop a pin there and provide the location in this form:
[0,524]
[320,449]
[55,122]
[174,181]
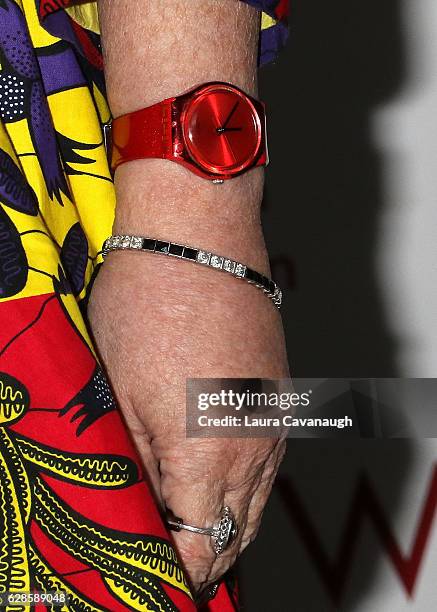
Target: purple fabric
[268,6]
[272,41]
[56,76]
[274,38]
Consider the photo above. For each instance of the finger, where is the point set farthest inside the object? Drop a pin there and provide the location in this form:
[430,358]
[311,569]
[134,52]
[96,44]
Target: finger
[238,500]
[142,443]
[194,488]
[260,497]
[241,499]
[150,465]
[195,495]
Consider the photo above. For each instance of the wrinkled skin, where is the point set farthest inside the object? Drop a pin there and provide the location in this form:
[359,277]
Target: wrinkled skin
[154,327]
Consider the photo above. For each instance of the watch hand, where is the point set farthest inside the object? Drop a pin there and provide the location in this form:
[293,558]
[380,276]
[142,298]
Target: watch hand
[229,117]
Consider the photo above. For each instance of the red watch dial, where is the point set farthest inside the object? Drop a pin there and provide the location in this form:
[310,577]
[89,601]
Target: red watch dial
[221,129]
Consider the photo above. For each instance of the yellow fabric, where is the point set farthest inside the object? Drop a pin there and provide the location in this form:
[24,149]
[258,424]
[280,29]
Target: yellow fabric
[267,21]
[92,200]
[86,15]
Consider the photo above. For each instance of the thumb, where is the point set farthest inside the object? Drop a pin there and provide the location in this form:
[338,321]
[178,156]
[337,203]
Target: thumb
[193,484]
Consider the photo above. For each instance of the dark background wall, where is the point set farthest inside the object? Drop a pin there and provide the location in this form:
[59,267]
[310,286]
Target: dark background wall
[323,194]
[338,510]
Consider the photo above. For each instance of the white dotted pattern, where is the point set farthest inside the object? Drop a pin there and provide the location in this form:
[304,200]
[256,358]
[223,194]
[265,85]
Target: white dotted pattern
[11,97]
[103,393]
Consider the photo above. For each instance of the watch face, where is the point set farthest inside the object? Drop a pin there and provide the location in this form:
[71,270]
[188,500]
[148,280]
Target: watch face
[222,129]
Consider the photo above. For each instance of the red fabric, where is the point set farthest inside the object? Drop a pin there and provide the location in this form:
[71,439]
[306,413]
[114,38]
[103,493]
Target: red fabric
[47,368]
[283,9]
[47,7]
[90,51]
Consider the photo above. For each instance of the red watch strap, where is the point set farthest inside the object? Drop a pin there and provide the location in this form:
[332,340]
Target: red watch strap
[143,134]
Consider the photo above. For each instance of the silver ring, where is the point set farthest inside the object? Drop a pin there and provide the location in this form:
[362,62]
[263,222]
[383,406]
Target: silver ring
[222,534]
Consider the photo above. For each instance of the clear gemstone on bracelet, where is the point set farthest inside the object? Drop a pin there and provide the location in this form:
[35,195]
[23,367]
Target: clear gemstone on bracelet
[229,265]
[240,270]
[216,262]
[203,257]
[136,242]
[277,297]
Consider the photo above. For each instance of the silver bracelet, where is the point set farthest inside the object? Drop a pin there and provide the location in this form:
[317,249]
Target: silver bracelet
[200,256]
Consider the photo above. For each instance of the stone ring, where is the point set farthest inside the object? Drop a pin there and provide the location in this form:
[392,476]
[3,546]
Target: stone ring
[222,534]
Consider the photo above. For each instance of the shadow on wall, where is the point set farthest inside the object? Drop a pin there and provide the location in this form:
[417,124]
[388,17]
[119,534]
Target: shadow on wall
[328,539]
[323,202]
[324,192]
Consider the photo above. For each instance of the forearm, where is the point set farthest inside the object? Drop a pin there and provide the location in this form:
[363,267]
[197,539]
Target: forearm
[154,50]
[161,48]
[158,320]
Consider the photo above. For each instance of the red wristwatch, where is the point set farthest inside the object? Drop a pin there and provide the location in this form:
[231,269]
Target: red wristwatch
[215,130]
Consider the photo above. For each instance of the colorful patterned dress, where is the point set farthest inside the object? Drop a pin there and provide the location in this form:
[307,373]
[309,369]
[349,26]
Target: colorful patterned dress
[76,514]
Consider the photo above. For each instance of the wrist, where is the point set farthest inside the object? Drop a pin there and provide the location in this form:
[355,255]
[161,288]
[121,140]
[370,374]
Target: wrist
[162,200]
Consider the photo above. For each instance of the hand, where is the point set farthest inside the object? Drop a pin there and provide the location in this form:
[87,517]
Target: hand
[157,322]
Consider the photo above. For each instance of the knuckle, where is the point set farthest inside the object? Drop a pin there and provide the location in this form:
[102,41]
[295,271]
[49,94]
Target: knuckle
[196,558]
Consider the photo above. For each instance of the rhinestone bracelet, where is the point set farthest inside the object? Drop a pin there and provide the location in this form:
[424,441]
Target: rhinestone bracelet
[205,258]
